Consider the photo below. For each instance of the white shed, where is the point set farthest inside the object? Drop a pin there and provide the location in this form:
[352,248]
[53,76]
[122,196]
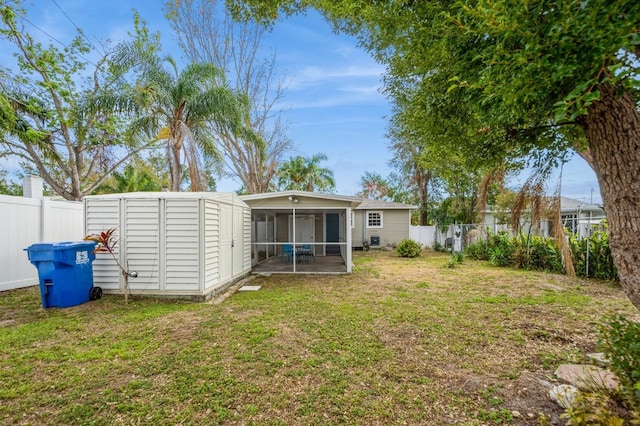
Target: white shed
[180,244]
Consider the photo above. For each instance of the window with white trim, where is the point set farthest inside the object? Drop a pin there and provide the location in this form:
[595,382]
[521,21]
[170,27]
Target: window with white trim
[353,219]
[374,219]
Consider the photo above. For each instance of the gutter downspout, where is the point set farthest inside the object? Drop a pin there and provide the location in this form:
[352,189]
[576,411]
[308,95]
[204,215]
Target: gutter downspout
[365,242]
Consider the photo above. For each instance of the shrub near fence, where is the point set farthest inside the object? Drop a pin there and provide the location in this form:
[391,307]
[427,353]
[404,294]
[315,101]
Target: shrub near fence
[592,256]
[541,253]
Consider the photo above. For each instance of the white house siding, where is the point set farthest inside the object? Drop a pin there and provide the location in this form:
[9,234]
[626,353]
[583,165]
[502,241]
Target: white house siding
[282,230]
[357,230]
[319,233]
[395,227]
[583,215]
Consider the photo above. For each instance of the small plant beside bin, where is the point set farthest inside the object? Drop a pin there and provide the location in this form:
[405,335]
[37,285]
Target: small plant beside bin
[106,243]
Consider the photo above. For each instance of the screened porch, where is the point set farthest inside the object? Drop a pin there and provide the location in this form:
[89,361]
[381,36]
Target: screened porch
[300,240]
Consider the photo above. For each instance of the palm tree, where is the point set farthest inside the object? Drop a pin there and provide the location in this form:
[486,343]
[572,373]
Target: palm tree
[305,174]
[140,175]
[178,107]
[374,187]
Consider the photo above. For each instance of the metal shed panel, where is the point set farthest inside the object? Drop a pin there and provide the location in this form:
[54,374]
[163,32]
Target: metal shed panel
[211,244]
[237,222]
[182,237]
[226,242]
[141,242]
[247,239]
[102,215]
[174,241]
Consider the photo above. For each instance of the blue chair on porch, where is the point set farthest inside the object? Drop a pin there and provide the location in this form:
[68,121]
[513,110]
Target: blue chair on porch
[307,253]
[287,250]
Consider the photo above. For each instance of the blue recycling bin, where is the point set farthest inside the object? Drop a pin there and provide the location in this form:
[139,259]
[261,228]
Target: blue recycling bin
[65,272]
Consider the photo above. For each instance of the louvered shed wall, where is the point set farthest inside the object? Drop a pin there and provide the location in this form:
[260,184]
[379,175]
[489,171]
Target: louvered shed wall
[182,242]
[101,215]
[172,240]
[247,237]
[211,244]
[141,239]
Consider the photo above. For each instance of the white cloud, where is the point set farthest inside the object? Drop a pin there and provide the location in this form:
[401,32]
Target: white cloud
[314,75]
[347,97]
[373,90]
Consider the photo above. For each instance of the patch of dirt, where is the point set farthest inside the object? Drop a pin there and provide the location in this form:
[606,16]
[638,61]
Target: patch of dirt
[529,396]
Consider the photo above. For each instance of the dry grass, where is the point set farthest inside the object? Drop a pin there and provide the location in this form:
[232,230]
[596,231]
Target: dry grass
[400,341]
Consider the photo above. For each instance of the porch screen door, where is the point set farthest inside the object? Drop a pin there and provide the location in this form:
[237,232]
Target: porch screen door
[305,229]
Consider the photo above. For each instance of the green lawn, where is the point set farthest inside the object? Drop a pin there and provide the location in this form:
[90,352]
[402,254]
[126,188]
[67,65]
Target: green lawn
[400,341]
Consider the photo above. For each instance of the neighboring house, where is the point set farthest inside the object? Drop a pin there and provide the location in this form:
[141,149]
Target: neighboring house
[329,226]
[577,217]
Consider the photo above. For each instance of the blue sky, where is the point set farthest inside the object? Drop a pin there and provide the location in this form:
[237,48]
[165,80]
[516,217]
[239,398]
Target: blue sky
[332,104]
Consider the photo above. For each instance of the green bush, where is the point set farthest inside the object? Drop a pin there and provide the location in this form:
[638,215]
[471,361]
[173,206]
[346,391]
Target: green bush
[478,250]
[409,248]
[600,260]
[501,249]
[540,253]
[619,339]
[536,253]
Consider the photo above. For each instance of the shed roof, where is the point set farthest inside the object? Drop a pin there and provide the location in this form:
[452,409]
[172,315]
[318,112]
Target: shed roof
[225,197]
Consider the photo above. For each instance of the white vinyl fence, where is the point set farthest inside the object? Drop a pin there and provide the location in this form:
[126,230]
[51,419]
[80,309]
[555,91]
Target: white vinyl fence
[425,235]
[455,238]
[31,220]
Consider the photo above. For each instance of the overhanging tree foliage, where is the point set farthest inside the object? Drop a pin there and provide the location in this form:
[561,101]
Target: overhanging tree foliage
[43,120]
[177,106]
[509,76]
[207,33]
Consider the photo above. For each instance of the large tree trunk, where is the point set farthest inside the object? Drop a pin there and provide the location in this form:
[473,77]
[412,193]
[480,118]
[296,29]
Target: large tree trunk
[175,167]
[612,127]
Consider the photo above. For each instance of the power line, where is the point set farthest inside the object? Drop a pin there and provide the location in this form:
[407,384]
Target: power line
[55,39]
[80,31]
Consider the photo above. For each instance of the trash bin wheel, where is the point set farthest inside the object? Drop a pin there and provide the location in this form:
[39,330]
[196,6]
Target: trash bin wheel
[95,293]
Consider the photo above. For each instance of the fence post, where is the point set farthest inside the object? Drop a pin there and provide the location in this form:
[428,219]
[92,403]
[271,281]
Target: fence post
[45,219]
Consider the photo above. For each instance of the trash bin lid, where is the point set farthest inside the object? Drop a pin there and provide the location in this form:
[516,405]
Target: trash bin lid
[67,252]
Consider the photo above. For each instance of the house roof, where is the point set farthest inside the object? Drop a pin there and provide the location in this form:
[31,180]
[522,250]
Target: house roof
[358,203]
[367,204]
[321,195]
[571,204]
